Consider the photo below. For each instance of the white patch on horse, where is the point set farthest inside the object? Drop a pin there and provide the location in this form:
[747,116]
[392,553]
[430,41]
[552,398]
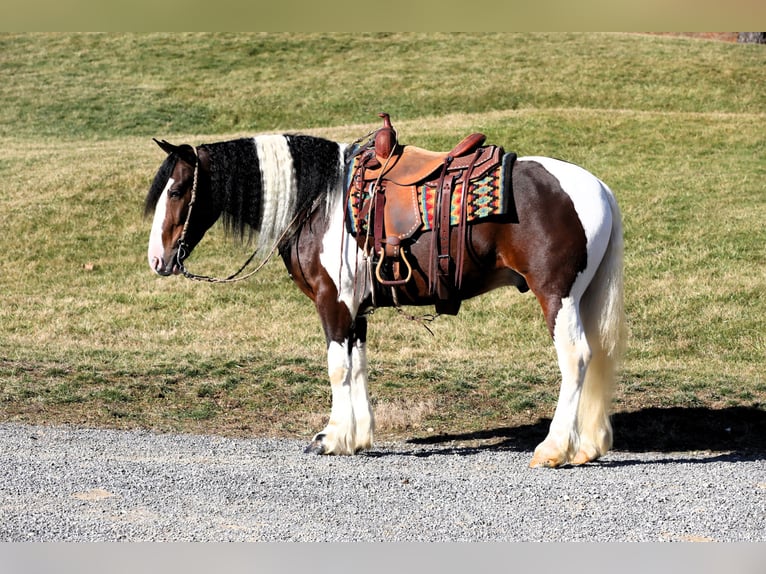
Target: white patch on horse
[279,184]
[574,355]
[360,398]
[341,256]
[338,437]
[156,251]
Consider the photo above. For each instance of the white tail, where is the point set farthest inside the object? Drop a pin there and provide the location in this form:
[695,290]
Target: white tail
[603,315]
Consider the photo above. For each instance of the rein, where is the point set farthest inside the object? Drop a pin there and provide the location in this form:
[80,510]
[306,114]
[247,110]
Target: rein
[183,249]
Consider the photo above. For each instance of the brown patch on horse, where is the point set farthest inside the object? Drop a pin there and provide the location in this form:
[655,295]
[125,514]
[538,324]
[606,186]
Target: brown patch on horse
[548,246]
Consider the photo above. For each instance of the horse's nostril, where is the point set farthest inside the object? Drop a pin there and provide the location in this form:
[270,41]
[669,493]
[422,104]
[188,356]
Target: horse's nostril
[156,263]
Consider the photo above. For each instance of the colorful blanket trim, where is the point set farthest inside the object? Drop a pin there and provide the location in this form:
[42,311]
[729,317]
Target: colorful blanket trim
[357,200]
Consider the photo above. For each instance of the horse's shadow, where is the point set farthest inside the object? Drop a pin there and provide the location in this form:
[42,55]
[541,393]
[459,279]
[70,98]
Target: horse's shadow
[740,432]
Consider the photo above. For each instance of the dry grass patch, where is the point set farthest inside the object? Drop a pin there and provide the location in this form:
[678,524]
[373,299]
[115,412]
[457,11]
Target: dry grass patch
[399,416]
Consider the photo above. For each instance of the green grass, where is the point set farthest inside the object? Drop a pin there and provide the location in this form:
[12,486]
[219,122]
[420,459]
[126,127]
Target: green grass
[88,335]
[105,86]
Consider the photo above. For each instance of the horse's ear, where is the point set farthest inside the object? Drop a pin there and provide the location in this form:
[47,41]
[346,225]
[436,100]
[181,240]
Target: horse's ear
[185,151]
[167,147]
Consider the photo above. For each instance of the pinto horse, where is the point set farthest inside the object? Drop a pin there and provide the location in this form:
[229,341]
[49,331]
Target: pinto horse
[564,244]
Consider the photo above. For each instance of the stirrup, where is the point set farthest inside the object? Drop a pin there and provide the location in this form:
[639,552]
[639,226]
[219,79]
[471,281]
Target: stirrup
[393,282]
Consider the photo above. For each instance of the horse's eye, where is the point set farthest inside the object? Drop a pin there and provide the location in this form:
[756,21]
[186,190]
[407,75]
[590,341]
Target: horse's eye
[175,193]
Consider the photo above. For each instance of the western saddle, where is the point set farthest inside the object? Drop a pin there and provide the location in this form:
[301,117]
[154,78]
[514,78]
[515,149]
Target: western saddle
[384,184]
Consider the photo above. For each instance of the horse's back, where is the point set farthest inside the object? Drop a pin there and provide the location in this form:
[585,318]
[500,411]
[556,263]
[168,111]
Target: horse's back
[576,181]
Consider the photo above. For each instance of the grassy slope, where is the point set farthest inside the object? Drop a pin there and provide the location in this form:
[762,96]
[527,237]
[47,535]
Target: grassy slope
[89,335]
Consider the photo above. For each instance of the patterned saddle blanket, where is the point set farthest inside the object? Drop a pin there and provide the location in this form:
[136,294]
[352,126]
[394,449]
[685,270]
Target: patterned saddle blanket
[489,194]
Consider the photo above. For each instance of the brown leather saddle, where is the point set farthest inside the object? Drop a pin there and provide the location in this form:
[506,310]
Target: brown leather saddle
[384,185]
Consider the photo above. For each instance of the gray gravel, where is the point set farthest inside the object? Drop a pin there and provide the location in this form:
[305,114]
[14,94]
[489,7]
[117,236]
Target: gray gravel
[67,484]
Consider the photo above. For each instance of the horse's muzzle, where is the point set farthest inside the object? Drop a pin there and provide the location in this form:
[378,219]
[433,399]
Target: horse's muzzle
[159,266]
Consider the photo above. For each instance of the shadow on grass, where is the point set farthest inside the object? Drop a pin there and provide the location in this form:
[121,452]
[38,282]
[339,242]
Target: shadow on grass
[740,430]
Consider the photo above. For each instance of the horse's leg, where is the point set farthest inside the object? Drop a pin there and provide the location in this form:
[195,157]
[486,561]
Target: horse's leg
[351,421]
[587,343]
[360,398]
[574,355]
[578,280]
[582,355]
[339,436]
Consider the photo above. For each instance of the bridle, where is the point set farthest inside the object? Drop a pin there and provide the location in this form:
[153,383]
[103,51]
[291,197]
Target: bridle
[183,251]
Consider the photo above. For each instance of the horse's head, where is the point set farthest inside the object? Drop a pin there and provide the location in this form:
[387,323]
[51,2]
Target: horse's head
[183,178]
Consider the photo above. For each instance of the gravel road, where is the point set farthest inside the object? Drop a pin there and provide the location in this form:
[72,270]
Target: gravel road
[67,484]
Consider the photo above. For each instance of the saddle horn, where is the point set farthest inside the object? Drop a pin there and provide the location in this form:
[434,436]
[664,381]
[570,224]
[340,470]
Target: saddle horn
[385,138]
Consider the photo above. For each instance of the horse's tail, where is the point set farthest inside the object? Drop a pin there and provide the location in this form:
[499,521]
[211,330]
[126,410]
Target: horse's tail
[603,314]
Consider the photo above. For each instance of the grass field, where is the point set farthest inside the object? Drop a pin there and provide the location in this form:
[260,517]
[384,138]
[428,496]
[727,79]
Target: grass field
[89,336]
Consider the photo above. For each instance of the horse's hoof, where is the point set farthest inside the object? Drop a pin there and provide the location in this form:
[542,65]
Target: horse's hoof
[583,458]
[316,446]
[546,460]
[543,463]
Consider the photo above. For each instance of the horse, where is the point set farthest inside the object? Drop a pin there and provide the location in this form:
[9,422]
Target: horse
[564,243]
